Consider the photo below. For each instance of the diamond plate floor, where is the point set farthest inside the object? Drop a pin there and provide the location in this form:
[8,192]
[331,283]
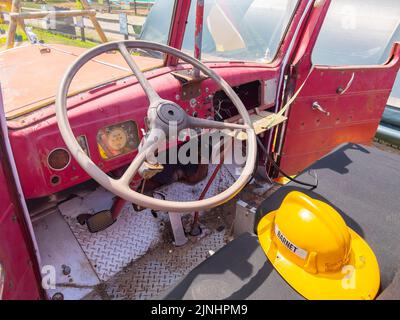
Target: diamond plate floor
[158,270]
[136,234]
[128,239]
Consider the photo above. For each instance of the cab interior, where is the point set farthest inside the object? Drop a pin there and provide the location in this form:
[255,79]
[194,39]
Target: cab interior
[321,121]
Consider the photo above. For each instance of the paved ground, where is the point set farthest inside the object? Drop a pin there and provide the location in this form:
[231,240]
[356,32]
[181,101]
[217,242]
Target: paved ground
[386,147]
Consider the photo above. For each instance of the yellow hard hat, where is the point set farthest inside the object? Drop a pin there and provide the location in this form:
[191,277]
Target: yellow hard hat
[310,245]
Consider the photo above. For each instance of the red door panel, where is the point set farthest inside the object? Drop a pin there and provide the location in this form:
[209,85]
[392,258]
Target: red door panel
[18,262]
[19,277]
[317,144]
[354,114]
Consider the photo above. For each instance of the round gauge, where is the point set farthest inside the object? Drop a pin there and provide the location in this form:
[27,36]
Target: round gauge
[58,159]
[117,139]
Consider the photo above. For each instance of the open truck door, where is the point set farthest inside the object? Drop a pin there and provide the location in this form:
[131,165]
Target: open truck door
[19,269]
[348,66]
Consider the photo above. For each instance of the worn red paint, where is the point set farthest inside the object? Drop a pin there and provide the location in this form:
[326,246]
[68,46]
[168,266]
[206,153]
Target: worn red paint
[117,207]
[179,20]
[17,256]
[198,34]
[18,267]
[354,116]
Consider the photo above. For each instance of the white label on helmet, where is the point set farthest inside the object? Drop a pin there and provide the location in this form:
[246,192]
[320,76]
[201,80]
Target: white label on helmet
[288,244]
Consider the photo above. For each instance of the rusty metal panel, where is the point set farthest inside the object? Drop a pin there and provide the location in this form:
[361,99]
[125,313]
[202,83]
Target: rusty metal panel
[353,96]
[353,116]
[19,76]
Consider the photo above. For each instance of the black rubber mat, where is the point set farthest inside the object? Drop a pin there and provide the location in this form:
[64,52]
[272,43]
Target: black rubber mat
[362,183]
[238,271]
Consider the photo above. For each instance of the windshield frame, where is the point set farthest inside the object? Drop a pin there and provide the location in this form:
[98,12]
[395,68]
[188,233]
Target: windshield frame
[179,27]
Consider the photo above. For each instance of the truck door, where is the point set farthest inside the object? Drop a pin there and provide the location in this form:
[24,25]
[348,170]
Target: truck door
[348,61]
[19,271]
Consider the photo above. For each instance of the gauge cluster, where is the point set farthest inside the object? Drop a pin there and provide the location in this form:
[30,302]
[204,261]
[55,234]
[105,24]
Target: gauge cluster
[117,139]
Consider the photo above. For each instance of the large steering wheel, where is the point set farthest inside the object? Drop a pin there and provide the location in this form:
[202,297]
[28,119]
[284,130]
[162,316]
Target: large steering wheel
[161,114]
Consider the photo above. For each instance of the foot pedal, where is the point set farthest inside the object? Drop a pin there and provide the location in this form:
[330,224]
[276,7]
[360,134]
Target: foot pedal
[100,221]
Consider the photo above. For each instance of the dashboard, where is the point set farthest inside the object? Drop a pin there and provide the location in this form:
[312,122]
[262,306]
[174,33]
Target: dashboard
[250,94]
[109,123]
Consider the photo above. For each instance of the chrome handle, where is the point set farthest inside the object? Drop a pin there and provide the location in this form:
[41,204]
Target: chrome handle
[317,106]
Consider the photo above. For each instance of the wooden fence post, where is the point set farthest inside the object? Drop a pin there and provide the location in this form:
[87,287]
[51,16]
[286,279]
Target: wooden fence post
[12,28]
[95,23]
[17,18]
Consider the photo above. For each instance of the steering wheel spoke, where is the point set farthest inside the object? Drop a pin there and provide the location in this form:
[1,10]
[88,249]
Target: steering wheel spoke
[148,147]
[133,168]
[148,89]
[199,123]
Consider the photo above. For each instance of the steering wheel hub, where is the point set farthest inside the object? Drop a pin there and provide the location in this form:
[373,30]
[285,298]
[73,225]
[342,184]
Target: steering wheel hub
[170,113]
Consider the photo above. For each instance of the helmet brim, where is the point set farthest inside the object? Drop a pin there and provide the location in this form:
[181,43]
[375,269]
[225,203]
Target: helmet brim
[359,279]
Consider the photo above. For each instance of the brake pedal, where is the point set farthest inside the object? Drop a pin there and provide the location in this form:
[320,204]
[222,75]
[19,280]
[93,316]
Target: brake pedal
[100,221]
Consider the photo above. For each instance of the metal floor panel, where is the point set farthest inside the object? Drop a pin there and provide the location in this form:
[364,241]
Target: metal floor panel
[136,233]
[130,237]
[58,247]
[158,270]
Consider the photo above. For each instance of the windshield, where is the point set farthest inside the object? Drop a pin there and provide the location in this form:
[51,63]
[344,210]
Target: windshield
[49,44]
[245,30]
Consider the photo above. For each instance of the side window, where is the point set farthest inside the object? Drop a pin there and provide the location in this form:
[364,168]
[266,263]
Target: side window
[358,32]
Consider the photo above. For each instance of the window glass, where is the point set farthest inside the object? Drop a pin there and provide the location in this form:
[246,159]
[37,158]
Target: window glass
[358,32]
[246,30]
[158,23]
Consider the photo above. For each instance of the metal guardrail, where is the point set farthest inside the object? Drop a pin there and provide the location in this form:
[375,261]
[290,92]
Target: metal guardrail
[389,127]
[394,102]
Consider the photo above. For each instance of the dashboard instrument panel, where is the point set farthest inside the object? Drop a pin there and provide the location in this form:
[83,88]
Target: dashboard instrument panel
[117,139]
[108,127]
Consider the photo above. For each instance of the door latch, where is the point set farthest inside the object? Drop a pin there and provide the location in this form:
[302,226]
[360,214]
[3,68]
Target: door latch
[317,106]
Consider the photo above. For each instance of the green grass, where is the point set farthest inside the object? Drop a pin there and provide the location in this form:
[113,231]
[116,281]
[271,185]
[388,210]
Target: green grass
[29,4]
[5,28]
[50,38]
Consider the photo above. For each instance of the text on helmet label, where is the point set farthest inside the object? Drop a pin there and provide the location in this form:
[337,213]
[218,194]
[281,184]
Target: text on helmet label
[288,244]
